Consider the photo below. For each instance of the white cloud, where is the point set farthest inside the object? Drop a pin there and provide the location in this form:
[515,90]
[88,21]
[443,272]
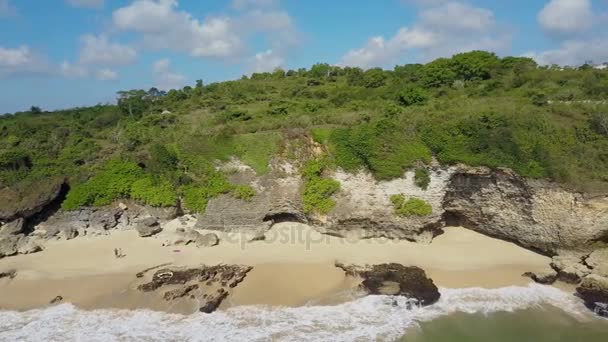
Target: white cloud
[563,17]
[106,75]
[574,53]
[164,27]
[20,60]
[448,28]
[165,78]
[7,9]
[267,61]
[98,50]
[73,70]
[86,3]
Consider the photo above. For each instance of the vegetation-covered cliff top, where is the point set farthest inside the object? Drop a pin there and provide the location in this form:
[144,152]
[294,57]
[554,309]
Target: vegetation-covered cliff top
[475,108]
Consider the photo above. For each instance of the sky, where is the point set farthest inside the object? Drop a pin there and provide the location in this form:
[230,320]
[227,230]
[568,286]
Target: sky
[67,53]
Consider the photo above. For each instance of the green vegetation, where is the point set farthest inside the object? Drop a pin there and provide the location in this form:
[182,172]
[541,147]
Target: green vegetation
[317,189]
[411,207]
[243,192]
[422,178]
[473,108]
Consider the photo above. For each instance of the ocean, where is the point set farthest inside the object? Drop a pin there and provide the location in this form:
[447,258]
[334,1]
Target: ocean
[531,313]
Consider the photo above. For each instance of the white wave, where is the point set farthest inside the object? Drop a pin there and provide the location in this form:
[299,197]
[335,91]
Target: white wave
[364,319]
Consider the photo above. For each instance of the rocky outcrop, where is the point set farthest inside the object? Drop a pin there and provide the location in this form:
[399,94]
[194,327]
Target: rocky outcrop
[9,245]
[13,227]
[395,280]
[148,227]
[206,285]
[363,208]
[594,291]
[598,262]
[547,277]
[535,214]
[207,240]
[27,202]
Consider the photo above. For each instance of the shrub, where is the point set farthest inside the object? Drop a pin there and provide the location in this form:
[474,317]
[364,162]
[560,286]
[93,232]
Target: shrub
[422,178]
[114,181]
[412,96]
[154,192]
[196,196]
[243,192]
[318,190]
[411,207]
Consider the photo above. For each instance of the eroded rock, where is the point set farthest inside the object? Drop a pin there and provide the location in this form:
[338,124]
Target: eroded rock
[148,227]
[13,227]
[547,277]
[598,261]
[395,280]
[207,240]
[570,267]
[594,291]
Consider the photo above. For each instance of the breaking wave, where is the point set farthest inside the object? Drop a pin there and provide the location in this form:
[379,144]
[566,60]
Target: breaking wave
[364,319]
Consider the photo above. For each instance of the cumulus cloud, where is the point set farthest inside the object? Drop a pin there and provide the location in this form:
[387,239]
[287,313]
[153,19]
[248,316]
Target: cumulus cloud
[20,60]
[165,78]
[107,75]
[69,70]
[564,17]
[163,26]
[86,3]
[442,30]
[99,50]
[579,33]
[267,61]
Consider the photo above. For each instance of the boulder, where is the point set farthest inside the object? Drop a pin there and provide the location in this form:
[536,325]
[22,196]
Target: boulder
[13,227]
[547,277]
[396,280]
[105,219]
[207,240]
[594,291]
[28,245]
[164,213]
[9,245]
[598,261]
[569,267]
[148,227]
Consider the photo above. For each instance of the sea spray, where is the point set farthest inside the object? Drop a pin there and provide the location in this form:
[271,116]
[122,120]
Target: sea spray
[367,318]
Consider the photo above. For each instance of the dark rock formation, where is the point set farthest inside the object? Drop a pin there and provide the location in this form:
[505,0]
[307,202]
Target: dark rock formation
[11,274]
[546,277]
[208,285]
[594,291]
[148,227]
[395,280]
[56,300]
[27,202]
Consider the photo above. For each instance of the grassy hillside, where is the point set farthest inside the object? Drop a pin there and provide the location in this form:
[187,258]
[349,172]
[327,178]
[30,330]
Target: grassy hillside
[473,108]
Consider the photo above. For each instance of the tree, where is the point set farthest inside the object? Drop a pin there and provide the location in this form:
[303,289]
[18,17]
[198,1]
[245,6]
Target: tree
[35,110]
[354,76]
[438,73]
[412,96]
[374,78]
[133,102]
[319,70]
[474,65]
[408,72]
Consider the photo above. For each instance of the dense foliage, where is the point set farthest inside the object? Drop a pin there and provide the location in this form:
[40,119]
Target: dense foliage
[411,207]
[318,189]
[473,108]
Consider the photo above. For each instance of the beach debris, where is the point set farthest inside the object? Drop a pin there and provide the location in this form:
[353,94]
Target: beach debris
[142,273]
[148,227]
[395,280]
[208,285]
[10,274]
[57,300]
[118,253]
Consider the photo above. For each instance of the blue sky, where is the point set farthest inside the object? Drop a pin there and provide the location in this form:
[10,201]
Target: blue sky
[66,53]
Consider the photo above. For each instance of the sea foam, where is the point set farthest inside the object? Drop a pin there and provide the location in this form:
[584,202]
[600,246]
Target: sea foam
[364,319]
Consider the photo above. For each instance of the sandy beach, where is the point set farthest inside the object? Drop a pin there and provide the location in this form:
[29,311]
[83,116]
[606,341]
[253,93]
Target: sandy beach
[293,266]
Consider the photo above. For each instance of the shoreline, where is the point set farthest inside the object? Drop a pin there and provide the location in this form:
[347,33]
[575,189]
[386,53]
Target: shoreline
[286,272]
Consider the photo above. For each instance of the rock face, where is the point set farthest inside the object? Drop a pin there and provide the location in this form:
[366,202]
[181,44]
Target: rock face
[598,262]
[594,291]
[148,227]
[12,228]
[277,199]
[535,214]
[570,267]
[9,245]
[547,277]
[395,280]
[207,285]
[25,203]
[363,208]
